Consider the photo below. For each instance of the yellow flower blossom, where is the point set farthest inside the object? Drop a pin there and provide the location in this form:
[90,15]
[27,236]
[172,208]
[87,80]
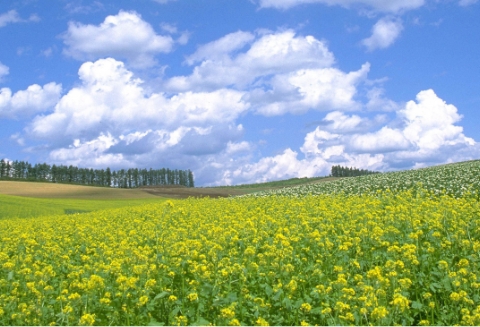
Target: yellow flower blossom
[87,320]
[261,322]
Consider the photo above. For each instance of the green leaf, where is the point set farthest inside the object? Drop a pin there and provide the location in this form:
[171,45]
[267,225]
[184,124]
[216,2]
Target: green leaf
[268,289]
[417,305]
[277,295]
[287,303]
[446,284]
[161,295]
[316,311]
[435,286]
[175,311]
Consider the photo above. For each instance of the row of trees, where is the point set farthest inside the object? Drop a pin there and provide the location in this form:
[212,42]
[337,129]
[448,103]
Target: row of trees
[124,178]
[340,171]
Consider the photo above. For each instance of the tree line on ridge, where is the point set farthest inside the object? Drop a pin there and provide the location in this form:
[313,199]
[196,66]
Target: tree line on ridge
[123,178]
[340,171]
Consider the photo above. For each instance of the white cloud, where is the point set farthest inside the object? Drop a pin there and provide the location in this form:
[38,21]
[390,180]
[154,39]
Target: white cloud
[47,52]
[233,147]
[12,16]
[384,34]
[169,28]
[18,139]
[76,7]
[430,123]
[382,141]
[123,36]
[90,153]
[338,122]
[377,102]
[111,99]
[9,17]
[279,72]
[321,89]
[465,3]
[393,6]
[428,136]
[222,47]
[271,54]
[4,71]
[25,103]
[112,118]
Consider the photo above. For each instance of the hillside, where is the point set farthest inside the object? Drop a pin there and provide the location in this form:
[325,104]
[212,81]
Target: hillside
[450,178]
[454,179]
[401,253]
[68,191]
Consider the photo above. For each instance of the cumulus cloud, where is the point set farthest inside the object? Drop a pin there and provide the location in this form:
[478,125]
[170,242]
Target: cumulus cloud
[111,99]
[339,122]
[123,36]
[393,6]
[382,141]
[25,103]
[112,118]
[279,72]
[220,65]
[428,135]
[297,92]
[430,123]
[378,102]
[384,34]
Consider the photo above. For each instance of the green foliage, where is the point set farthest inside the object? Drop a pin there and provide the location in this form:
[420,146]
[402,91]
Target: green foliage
[124,178]
[340,171]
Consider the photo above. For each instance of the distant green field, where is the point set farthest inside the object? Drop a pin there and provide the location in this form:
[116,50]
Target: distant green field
[257,187]
[26,207]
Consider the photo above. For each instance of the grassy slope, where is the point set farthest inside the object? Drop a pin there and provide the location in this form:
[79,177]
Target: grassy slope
[249,188]
[33,199]
[25,207]
[48,198]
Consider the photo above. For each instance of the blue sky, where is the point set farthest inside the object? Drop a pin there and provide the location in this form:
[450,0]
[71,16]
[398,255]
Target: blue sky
[240,91]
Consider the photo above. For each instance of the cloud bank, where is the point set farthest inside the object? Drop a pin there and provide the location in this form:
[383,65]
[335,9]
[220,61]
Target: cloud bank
[112,118]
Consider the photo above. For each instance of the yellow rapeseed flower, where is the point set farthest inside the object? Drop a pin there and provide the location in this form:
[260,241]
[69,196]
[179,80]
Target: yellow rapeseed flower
[87,320]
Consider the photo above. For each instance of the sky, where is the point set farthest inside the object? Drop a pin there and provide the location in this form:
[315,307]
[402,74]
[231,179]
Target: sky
[240,91]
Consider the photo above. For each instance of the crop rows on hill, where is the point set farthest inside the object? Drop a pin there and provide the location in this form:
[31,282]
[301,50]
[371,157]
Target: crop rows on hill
[454,179]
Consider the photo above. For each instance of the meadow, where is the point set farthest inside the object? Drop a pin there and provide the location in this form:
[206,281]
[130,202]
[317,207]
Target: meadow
[20,207]
[381,254]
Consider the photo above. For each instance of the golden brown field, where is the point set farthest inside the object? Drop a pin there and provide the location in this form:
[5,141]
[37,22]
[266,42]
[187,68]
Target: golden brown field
[66,191]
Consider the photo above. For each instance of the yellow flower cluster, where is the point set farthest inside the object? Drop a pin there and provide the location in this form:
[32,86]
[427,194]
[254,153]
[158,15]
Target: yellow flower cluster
[313,260]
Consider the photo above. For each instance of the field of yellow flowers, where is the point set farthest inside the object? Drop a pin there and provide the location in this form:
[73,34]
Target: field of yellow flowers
[410,258]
